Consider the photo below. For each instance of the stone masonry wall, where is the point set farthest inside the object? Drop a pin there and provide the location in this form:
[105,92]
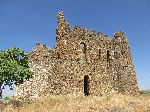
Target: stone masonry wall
[84,62]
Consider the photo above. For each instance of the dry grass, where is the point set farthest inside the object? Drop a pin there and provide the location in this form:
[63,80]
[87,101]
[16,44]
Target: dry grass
[70,103]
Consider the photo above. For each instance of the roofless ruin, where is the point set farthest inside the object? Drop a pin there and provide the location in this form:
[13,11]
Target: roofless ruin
[84,62]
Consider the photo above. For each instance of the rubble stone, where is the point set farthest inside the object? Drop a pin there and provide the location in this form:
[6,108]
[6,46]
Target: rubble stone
[83,62]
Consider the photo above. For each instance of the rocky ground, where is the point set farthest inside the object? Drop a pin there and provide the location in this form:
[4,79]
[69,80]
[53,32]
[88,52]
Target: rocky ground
[72,103]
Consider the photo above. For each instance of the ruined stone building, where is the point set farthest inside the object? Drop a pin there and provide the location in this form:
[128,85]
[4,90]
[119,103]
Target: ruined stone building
[83,62]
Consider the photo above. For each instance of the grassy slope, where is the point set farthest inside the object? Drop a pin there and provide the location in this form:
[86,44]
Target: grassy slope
[60,103]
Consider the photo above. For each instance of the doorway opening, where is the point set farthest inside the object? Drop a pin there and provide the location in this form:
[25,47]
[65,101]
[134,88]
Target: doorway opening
[86,85]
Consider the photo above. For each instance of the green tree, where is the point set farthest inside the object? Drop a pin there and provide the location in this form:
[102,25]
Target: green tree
[14,67]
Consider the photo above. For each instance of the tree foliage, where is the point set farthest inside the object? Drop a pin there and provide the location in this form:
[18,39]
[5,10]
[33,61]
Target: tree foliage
[14,66]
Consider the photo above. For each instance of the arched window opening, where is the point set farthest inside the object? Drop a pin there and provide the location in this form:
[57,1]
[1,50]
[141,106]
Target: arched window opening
[83,47]
[86,85]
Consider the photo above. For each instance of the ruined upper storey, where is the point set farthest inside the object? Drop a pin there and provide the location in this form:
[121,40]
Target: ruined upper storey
[68,39]
[64,30]
[80,42]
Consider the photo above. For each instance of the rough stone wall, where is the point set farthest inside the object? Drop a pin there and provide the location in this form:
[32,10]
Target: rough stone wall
[83,62]
[40,67]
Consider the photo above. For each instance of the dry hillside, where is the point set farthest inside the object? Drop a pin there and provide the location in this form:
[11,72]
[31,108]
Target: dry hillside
[71,103]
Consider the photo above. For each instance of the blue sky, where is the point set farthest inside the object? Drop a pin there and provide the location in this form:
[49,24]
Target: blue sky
[25,22]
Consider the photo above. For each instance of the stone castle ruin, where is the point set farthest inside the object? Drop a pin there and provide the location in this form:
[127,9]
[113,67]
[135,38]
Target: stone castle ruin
[84,62]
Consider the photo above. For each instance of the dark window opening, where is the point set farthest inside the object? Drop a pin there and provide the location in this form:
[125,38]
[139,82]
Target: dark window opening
[108,54]
[108,58]
[86,85]
[99,54]
[58,56]
[123,52]
[83,47]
